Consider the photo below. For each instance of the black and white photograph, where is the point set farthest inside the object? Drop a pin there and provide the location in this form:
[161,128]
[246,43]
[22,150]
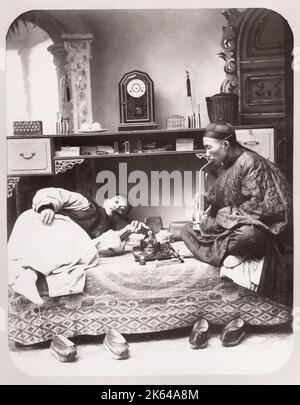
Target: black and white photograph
[149,175]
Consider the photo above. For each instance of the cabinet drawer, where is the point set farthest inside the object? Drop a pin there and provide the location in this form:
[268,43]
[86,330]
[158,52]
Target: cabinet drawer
[29,156]
[261,140]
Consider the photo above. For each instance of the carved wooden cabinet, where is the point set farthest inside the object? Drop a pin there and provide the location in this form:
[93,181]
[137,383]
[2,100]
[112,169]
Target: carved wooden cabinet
[262,66]
[265,78]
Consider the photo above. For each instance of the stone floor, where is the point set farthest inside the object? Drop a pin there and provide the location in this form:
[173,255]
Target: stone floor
[167,353]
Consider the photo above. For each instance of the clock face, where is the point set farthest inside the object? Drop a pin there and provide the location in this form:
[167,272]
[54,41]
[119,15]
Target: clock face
[136,88]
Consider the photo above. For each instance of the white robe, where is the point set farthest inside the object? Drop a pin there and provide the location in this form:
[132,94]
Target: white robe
[62,251]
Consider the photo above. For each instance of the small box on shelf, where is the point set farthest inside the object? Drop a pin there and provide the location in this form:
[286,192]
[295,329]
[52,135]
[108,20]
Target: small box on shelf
[184,144]
[68,151]
[27,128]
[175,121]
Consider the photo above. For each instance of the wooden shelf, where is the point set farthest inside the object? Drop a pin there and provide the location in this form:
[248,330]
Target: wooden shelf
[116,134]
[162,137]
[175,131]
[126,155]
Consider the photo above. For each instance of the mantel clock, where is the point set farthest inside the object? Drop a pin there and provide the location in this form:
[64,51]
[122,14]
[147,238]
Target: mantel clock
[136,97]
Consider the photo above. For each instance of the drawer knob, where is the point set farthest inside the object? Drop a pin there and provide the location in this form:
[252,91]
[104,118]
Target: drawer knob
[251,143]
[27,155]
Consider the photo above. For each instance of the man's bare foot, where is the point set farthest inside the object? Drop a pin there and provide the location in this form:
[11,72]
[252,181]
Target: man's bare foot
[233,261]
[25,285]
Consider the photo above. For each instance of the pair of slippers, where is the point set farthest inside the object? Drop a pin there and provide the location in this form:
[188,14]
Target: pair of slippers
[66,351]
[231,335]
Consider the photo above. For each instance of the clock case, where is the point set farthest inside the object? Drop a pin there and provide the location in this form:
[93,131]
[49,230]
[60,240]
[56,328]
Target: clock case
[136,113]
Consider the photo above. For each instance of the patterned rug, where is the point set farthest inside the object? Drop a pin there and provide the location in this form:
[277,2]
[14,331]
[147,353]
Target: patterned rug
[121,294]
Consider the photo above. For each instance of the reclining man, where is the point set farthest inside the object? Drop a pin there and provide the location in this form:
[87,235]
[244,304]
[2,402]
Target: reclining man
[249,208]
[62,236]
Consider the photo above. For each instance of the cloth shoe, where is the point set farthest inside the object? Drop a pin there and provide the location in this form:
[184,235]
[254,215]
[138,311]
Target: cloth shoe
[200,334]
[116,344]
[63,349]
[233,332]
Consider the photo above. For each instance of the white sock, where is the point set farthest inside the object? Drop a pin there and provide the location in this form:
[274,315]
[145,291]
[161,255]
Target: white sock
[233,261]
[25,285]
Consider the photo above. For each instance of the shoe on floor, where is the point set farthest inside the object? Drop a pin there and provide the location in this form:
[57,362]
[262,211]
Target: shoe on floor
[63,349]
[233,332]
[116,344]
[200,334]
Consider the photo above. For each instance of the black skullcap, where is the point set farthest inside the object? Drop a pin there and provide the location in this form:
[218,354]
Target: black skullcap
[220,130]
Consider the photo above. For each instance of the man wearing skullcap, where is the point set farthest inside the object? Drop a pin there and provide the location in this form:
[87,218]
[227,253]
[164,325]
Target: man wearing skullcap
[248,212]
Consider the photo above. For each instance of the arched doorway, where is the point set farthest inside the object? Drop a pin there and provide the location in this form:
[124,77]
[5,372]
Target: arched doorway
[32,87]
[32,90]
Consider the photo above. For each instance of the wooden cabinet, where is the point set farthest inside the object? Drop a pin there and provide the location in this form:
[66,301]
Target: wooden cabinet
[86,173]
[44,154]
[261,140]
[29,156]
[265,78]
[262,66]
[53,154]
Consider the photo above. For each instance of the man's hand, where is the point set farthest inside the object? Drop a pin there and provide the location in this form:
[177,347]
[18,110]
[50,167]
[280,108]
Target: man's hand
[47,216]
[133,227]
[203,215]
[136,226]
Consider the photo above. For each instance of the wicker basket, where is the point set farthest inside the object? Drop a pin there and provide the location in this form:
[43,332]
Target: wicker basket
[223,107]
